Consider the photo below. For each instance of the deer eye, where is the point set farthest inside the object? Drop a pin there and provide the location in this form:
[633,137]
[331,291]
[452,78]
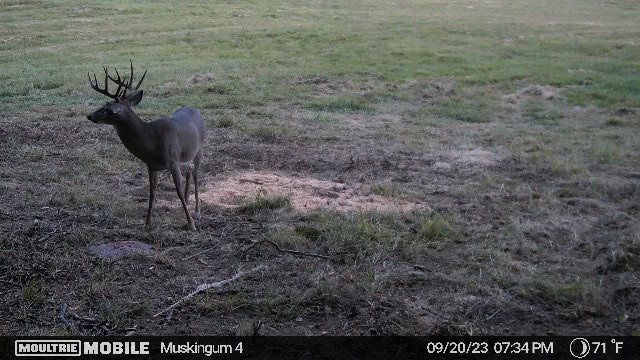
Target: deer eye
[109,111]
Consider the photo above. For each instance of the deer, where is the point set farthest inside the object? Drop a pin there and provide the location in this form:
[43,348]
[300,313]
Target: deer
[168,143]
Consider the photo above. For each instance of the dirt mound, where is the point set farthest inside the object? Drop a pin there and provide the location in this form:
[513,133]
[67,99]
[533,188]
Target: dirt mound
[306,193]
[474,157]
[358,120]
[201,78]
[533,92]
[624,112]
[299,80]
[431,88]
[329,87]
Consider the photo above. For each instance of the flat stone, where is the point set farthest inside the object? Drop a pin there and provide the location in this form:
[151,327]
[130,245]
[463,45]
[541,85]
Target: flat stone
[119,249]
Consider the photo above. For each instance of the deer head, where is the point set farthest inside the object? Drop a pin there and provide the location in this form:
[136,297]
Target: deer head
[124,98]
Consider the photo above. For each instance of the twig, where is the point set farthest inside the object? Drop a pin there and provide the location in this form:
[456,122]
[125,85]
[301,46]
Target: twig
[222,236]
[435,313]
[205,286]
[421,267]
[492,315]
[294,252]
[256,327]
[47,235]
[62,316]
[200,252]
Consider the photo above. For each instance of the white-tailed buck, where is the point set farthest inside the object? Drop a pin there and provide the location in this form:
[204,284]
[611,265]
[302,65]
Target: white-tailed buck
[167,143]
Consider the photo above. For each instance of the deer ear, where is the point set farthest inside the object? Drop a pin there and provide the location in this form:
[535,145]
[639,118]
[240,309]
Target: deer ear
[135,98]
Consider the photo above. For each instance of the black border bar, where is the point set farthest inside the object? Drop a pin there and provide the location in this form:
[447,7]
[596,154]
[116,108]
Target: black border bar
[343,347]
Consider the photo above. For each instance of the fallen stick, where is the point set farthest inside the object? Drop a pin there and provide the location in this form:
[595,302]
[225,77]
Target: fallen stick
[62,315]
[294,252]
[205,286]
[201,252]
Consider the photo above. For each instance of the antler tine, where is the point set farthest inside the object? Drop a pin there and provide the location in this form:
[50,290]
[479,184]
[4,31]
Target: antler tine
[130,77]
[120,83]
[118,80]
[95,85]
[142,78]
[106,80]
[127,83]
[130,82]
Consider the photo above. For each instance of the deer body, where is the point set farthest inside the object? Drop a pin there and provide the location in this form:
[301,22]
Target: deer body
[159,143]
[164,144]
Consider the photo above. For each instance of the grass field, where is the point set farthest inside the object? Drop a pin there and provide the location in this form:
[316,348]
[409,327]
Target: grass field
[469,167]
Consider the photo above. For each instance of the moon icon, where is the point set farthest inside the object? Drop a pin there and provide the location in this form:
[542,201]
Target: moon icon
[579,347]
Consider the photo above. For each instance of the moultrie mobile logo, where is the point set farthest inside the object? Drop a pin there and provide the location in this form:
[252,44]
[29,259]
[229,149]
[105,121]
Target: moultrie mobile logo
[77,348]
[47,347]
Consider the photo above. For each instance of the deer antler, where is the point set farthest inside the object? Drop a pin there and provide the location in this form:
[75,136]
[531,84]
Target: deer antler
[105,91]
[127,85]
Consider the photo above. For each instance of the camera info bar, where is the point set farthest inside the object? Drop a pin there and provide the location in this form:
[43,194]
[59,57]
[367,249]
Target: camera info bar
[323,347]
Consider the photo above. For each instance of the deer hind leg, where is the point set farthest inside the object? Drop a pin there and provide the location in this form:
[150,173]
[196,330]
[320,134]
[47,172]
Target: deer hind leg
[187,184]
[153,185]
[196,165]
[177,180]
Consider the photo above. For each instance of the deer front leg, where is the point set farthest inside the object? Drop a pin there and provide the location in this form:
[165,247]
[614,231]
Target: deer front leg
[153,185]
[177,180]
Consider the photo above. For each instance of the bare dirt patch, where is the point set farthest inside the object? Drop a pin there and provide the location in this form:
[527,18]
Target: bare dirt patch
[474,157]
[427,89]
[361,121]
[545,92]
[201,78]
[306,193]
[324,86]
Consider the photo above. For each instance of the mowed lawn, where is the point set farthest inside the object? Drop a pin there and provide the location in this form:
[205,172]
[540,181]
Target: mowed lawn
[469,167]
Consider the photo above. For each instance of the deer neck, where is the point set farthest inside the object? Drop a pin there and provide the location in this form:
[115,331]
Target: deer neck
[134,134]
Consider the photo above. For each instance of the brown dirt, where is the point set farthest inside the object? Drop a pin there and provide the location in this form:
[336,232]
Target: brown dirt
[474,157]
[533,92]
[306,193]
[427,89]
[201,78]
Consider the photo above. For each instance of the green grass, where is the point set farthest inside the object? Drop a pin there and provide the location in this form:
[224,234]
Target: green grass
[264,201]
[541,113]
[437,228]
[388,190]
[470,111]
[339,104]
[363,236]
[225,122]
[32,293]
[253,48]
